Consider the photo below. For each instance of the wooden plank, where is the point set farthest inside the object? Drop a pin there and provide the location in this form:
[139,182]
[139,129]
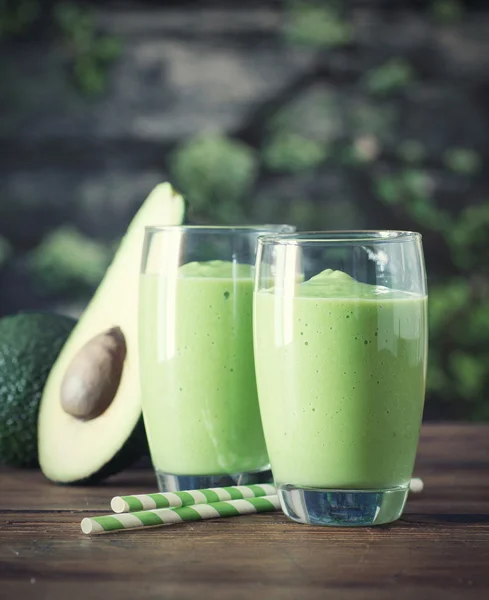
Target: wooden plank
[275,555]
[439,549]
[262,549]
[29,490]
[460,490]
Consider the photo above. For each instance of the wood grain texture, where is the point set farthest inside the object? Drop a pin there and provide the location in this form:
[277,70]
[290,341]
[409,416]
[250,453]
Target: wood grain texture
[439,549]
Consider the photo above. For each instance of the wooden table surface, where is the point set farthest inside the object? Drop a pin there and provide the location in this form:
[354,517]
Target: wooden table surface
[439,549]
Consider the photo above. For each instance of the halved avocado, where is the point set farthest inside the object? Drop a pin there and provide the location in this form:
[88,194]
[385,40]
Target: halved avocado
[73,449]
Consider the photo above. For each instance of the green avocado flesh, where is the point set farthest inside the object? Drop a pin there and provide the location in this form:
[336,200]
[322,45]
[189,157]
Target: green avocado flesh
[77,451]
[29,346]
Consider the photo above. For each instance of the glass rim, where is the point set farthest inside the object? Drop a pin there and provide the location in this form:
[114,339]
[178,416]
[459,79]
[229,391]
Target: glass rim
[266,227]
[340,236]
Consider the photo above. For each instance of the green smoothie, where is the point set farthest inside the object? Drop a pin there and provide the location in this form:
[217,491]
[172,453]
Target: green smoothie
[341,370]
[199,393]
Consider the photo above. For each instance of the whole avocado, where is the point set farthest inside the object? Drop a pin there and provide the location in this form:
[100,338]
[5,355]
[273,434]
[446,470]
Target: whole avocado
[29,346]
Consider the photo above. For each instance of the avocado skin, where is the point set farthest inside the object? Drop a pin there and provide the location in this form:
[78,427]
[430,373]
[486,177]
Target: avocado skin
[29,346]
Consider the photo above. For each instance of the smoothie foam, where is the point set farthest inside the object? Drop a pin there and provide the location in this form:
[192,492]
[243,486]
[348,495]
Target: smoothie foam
[199,393]
[341,373]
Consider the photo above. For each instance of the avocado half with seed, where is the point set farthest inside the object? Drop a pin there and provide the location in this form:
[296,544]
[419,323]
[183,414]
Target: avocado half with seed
[90,424]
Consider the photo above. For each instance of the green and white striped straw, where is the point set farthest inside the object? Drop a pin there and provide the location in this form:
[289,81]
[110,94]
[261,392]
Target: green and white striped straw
[166,516]
[125,504]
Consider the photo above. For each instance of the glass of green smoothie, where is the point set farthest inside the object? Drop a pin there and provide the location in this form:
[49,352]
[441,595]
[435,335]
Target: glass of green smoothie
[199,397]
[340,334]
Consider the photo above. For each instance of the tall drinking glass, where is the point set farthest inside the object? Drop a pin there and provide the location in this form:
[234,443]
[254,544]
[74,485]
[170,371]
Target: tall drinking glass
[199,395]
[340,333]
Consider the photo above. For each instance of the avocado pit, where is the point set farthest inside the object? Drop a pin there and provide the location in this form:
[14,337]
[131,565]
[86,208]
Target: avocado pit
[92,378]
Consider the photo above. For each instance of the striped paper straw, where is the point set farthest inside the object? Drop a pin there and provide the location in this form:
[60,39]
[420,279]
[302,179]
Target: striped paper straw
[125,504]
[166,516]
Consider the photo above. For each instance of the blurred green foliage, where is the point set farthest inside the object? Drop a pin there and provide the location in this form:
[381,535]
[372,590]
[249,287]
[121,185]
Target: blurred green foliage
[459,357]
[66,262]
[447,11]
[412,151]
[462,160]
[318,24]
[315,116]
[293,152]
[394,75]
[410,189]
[88,51]
[376,119]
[468,238]
[409,186]
[91,53]
[17,15]
[215,174]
